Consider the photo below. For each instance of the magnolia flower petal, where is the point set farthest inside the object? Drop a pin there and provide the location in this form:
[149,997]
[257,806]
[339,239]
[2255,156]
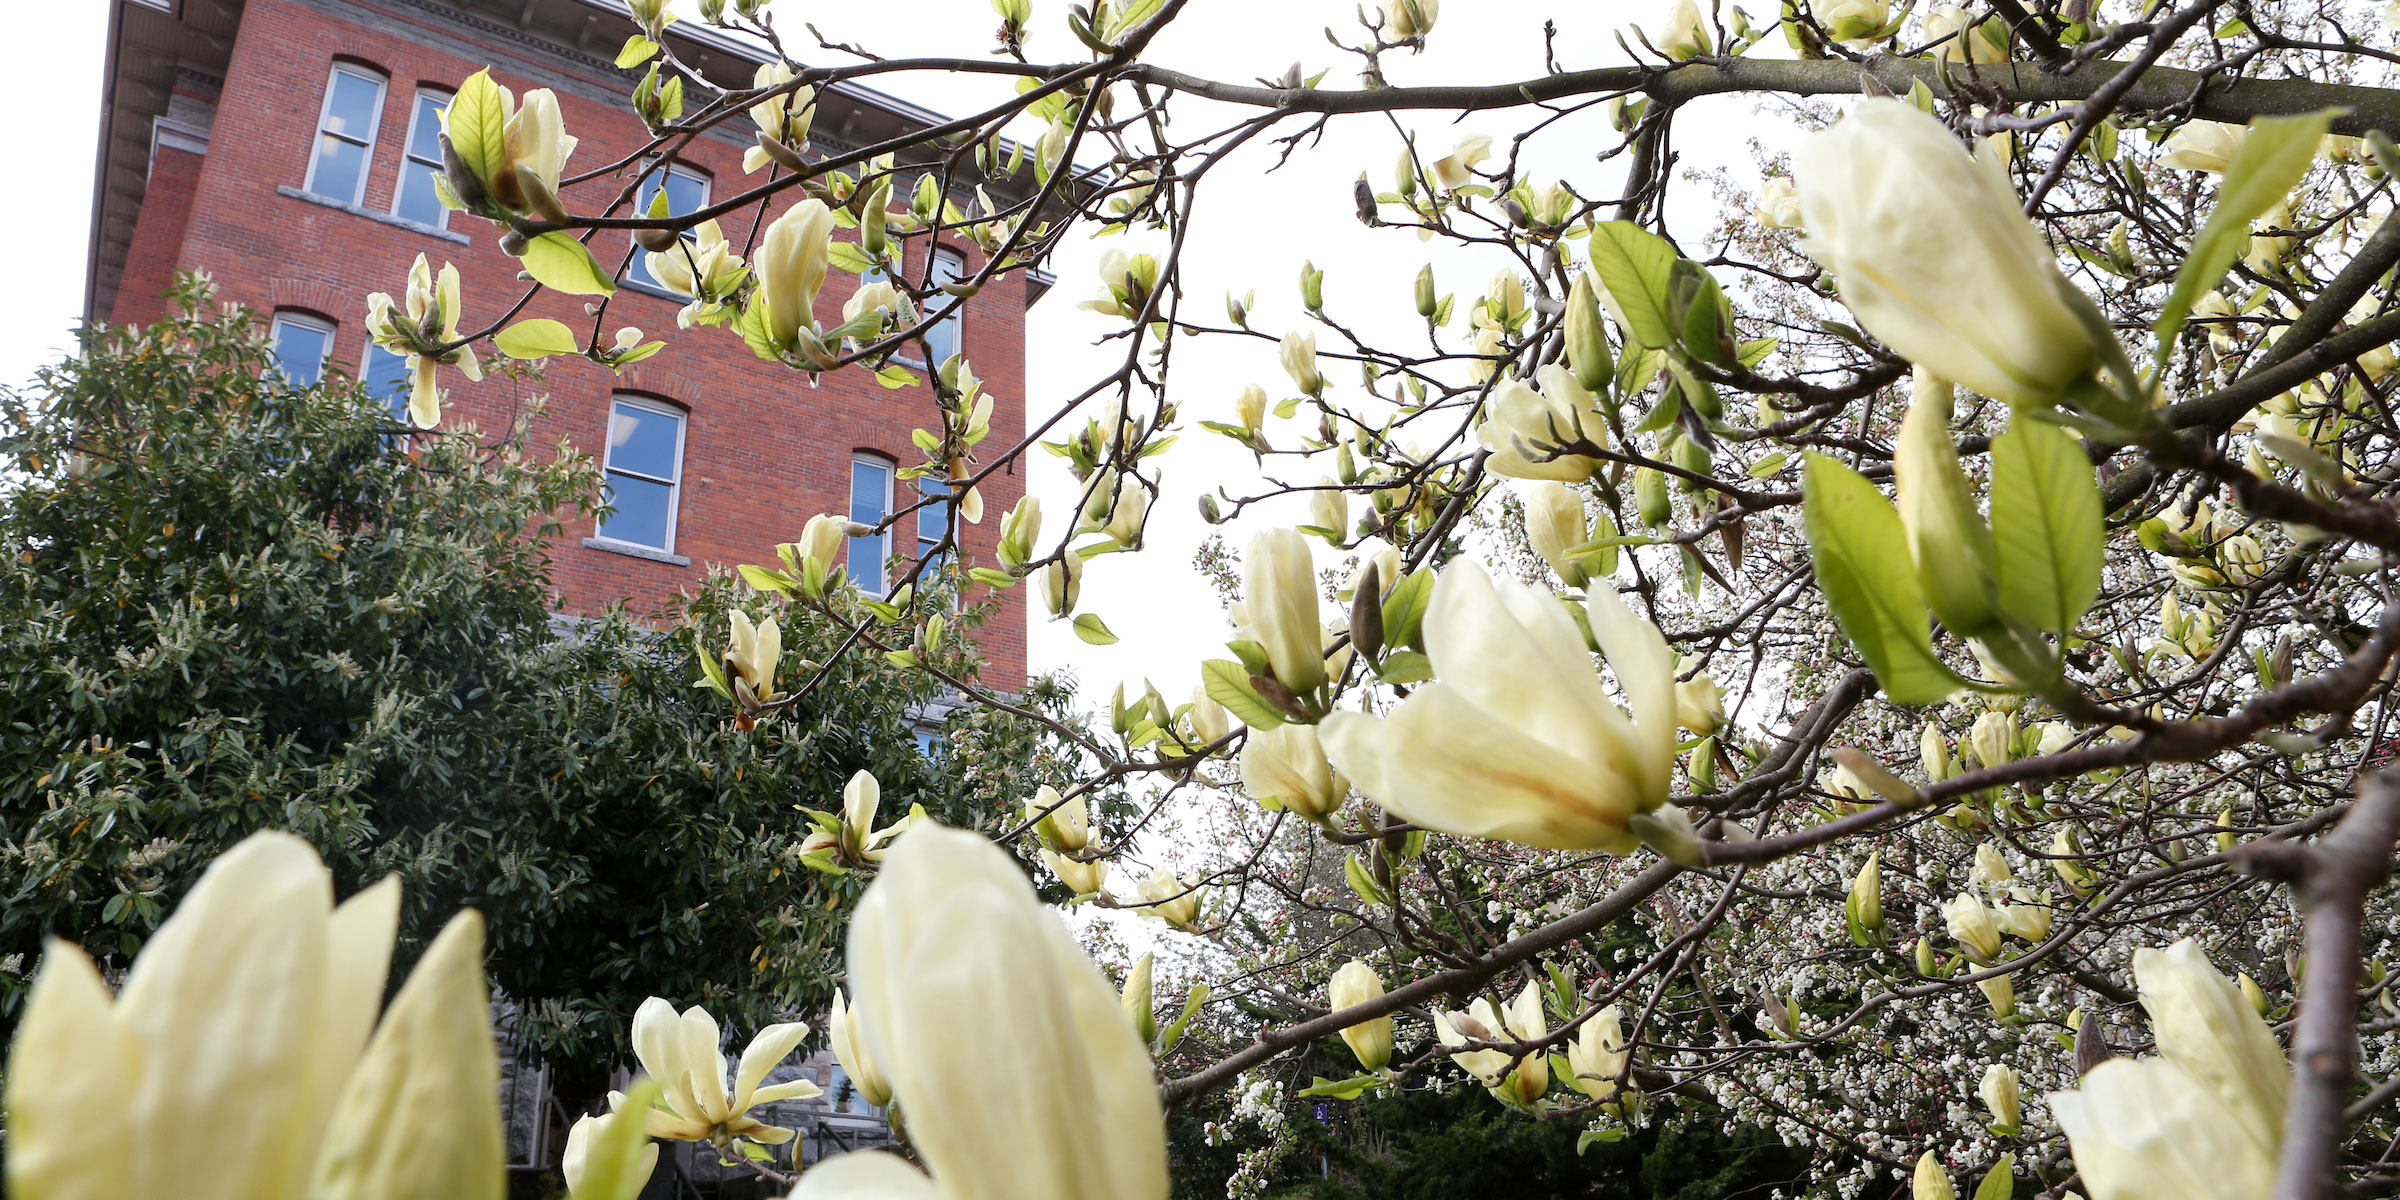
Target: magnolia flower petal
[68,1074]
[1638,656]
[864,1175]
[704,1055]
[2204,1025]
[2144,1129]
[796,1089]
[359,957]
[770,1047]
[1455,767]
[210,1011]
[1514,651]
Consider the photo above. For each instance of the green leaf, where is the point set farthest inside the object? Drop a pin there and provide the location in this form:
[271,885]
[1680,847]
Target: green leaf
[637,51]
[1344,1089]
[1404,610]
[2273,158]
[1092,629]
[1861,557]
[1768,465]
[2001,1182]
[1404,666]
[559,262]
[895,376]
[1191,1008]
[477,126]
[2046,525]
[1229,684]
[615,1157]
[537,337]
[1635,266]
[851,257]
[767,579]
[992,577]
[1585,1140]
[1362,881]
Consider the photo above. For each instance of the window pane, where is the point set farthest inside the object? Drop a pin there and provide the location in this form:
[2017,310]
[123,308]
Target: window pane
[300,351]
[933,520]
[642,440]
[425,141]
[339,168]
[642,510]
[942,339]
[870,485]
[386,378]
[350,107]
[685,193]
[417,201]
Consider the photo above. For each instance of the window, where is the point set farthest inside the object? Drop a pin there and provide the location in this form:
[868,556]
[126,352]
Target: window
[687,191]
[415,200]
[943,339]
[933,523]
[346,134]
[385,375]
[301,345]
[870,502]
[644,468]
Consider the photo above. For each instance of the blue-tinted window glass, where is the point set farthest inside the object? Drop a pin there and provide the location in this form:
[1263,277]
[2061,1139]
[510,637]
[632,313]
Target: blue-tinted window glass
[928,745]
[300,348]
[416,200]
[386,378]
[943,339]
[685,193]
[870,496]
[337,166]
[933,522]
[645,458]
[642,441]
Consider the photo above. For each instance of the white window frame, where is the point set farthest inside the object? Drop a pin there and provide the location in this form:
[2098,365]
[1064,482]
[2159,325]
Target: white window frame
[641,209]
[408,160]
[608,467]
[891,473]
[305,320]
[383,92]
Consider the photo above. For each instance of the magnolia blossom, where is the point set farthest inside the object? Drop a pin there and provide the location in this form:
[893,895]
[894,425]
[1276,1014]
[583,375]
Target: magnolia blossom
[1554,525]
[1285,767]
[1279,587]
[1947,536]
[1064,1102]
[1934,256]
[1699,703]
[1966,42]
[1125,516]
[1855,23]
[1453,169]
[1684,34]
[1999,1089]
[1250,407]
[242,1059]
[1062,825]
[1539,421]
[683,1051]
[785,117]
[876,297]
[2205,1118]
[1080,877]
[1484,1022]
[859,841]
[432,307]
[1171,899]
[1329,507]
[1299,355]
[1019,530]
[1973,925]
[533,150]
[1519,740]
[842,1031]
[1991,867]
[1209,720]
[584,1141]
[2204,146]
[751,656]
[791,268]
[1993,738]
[2029,918]
[1929,1181]
[1597,1054]
[1411,18]
[703,267]
[1058,584]
[1371,1040]
[1779,205]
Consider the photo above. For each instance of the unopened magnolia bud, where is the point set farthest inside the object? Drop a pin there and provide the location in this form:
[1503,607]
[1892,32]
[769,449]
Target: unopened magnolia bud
[1650,497]
[1702,764]
[782,154]
[1366,611]
[2091,1045]
[463,179]
[513,244]
[2256,995]
[1668,830]
[1885,784]
[1312,286]
[1427,305]
[1923,952]
[1587,337]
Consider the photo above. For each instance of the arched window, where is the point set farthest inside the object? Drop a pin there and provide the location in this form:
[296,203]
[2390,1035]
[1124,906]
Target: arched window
[346,124]
[302,341]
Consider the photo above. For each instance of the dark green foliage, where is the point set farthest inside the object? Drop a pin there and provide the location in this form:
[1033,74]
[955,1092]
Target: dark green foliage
[229,604]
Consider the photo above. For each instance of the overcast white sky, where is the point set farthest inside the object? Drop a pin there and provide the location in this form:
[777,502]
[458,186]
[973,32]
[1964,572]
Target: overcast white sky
[1253,232]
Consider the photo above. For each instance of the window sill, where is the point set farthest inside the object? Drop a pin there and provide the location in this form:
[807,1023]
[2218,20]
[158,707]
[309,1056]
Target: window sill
[652,289]
[370,214]
[630,550]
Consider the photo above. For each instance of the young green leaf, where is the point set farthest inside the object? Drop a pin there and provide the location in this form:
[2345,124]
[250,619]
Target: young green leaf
[537,337]
[559,262]
[2272,159]
[1635,266]
[477,127]
[2046,525]
[1092,629]
[1228,683]
[1861,557]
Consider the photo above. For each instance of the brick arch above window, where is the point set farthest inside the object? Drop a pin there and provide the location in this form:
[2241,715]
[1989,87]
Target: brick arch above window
[314,296]
[664,384]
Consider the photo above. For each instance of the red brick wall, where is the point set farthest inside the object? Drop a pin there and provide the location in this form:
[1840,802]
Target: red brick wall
[151,259]
[764,447]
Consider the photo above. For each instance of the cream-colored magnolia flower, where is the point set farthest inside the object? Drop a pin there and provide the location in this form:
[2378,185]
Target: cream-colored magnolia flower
[1209,720]
[1064,1102]
[1171,898]
[1929,1181]
[1991,867]
[2000,1090]
[1523,425]
[1779,205]
[1299,356]
[1405,19]
[1935,258]
[1285,767]
[1597,1054]
[1058,584]
[1699,703]
[791,269]
[2204,146]
[1329,507]
[1279,588]
[1371,1040]
[2205,1118]
[785,117]
[1684,34]
[876,297]
[1454,169]
[1993,738]
[1973,925]
[1250,407]
[1855,23]
[751,656]
[1080,877]
[584,1140]
[2029,918]
[849,1046]
[1125,516]
[242,1059]
[1554,525]
[534,149]
[1062,825]
[1966,42]
[684,1052]
[432,308]
[1519,740]
[1483,1021]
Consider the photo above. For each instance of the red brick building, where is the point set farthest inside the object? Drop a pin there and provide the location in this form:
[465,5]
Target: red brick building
[284,146]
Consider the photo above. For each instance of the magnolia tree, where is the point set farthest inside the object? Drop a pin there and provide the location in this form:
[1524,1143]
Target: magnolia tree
[1910,674]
